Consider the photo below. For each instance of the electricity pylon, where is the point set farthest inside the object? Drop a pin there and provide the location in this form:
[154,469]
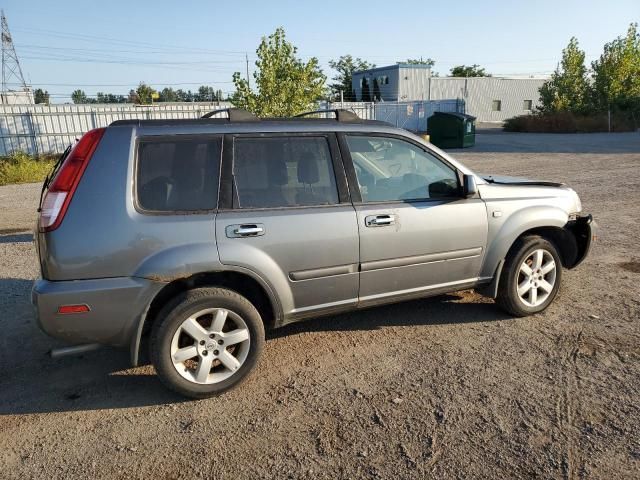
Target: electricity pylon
[11,71]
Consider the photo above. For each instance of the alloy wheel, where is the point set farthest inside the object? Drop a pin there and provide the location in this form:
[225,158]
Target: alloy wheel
[210,345]
[536,278]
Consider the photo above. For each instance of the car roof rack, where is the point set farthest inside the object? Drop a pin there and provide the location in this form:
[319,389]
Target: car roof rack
[341,114]
[234,114]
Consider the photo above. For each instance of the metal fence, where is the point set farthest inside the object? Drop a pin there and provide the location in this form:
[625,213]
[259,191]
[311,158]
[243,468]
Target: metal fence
[411,116]
[42,129]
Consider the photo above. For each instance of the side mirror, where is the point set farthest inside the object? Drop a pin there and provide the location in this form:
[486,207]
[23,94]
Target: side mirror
[469,188]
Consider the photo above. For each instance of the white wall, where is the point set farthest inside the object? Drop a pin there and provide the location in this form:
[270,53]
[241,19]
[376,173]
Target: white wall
[480,92]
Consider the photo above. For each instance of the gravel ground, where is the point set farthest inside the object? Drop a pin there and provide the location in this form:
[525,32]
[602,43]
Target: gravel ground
[448,387]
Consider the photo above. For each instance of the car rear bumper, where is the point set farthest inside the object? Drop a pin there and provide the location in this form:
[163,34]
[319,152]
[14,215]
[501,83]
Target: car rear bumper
[115,307]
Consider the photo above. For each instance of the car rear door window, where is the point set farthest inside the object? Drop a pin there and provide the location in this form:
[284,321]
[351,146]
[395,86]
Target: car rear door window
[283,171]
[178,174]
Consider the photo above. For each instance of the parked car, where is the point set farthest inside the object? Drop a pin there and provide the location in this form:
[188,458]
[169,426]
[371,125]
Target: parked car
[196,235]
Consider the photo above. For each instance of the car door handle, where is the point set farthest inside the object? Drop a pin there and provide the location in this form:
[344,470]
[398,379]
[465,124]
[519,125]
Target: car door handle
[245,230]
[379,220]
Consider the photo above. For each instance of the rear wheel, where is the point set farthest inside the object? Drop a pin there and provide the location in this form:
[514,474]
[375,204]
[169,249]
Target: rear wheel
[530,277]
[206,341]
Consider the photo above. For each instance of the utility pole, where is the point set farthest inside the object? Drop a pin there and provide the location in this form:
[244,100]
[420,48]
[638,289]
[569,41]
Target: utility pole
[10,64]
[246,57]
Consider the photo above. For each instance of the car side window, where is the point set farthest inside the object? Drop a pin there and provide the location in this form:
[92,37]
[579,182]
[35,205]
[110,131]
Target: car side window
[283,171]
[389,169]
[178,174]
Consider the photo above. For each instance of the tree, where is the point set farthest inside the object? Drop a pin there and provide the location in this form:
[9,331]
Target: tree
[568,88]
[468,71]
[206,94]
[168,94]
[419,61]
[108,98]
[376,91]
[144,94]
[284,84]
[78,96]
[345,66]
[40,96]
[366,93]
[616,74]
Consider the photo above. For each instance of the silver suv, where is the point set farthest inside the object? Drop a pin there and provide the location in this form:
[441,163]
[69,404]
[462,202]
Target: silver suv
[196,235]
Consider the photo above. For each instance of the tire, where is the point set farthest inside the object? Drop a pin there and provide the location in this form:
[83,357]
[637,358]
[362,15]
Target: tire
[206,322]
[514,275]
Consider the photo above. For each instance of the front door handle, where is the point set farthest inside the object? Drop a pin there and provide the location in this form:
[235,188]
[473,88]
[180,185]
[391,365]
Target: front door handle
[245,230]
[379,220]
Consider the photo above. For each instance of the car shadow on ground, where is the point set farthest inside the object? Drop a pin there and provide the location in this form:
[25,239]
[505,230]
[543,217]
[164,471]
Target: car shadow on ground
[439,310]
[31,382]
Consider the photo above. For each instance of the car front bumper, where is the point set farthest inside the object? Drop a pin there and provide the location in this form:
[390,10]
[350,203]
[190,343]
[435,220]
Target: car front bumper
[584,229]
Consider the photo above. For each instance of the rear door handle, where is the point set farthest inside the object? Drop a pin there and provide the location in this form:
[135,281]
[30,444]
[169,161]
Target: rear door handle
[379,220]
[245,230]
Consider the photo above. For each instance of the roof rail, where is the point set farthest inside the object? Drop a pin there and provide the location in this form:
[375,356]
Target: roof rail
[341,114]
[234,114]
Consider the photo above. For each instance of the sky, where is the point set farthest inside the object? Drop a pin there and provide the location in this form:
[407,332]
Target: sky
[112,46]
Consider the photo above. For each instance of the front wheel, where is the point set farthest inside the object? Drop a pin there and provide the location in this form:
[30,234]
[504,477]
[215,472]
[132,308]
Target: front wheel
[530,277]
[206,341]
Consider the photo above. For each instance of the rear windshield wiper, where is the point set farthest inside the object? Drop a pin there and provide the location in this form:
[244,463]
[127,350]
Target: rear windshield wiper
[52,173]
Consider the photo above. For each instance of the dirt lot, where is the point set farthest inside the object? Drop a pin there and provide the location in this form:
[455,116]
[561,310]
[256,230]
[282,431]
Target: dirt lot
[448,387]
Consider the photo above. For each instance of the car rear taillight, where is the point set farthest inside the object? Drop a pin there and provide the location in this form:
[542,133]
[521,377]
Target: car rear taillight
[64,184]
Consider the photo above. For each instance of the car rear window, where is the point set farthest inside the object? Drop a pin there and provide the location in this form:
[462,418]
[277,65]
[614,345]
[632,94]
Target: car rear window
[283,171]
[178,174]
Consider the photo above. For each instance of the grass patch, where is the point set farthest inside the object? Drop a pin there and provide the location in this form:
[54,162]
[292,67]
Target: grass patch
[22,168]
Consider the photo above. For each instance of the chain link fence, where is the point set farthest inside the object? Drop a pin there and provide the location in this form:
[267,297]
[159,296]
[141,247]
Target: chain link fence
[411,116]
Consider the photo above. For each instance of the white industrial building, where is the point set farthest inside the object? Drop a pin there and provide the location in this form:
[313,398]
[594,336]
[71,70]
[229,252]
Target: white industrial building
[489,99]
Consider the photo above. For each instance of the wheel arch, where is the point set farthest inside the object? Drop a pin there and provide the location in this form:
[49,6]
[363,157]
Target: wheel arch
[561,238]
[242,282]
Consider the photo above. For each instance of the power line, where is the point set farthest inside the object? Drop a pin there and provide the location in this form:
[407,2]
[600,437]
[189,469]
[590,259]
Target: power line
[107,40]
[122,84]
[169,49]
[186,51]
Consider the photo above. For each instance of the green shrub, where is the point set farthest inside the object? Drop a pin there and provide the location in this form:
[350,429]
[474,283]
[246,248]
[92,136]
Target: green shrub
[567,122]
[20,167]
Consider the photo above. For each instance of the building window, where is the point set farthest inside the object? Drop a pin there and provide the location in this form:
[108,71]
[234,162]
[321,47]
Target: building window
[496,106]
[527,104]
[383,80]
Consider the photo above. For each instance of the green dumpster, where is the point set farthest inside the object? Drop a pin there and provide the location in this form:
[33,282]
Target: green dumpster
[452,130]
